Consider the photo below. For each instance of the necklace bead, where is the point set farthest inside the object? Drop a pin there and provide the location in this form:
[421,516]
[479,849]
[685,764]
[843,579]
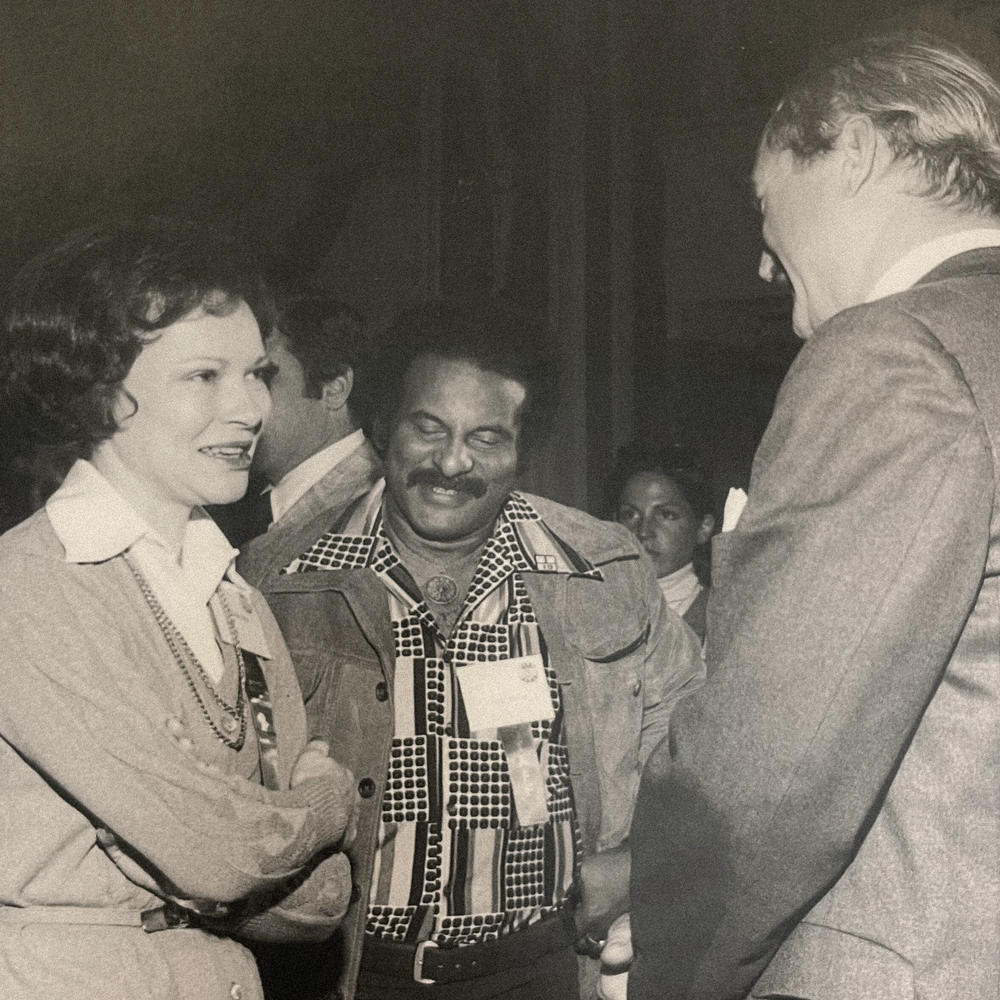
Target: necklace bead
[234,717]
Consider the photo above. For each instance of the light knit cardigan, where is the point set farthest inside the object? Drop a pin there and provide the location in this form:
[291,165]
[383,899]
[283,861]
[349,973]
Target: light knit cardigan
[89,686]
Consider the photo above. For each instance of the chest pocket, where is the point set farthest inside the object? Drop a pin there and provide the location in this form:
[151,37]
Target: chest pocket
[606,626]
[601,625]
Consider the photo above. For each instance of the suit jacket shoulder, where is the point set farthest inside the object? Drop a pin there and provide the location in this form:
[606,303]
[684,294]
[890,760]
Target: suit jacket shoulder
[348,479]
[312,516]
[839,650]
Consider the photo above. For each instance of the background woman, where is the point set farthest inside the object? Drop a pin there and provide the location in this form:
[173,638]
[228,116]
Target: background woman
[663,495]
[158,799]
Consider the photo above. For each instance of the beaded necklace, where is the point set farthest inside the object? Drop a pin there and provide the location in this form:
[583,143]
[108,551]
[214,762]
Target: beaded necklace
[234,717]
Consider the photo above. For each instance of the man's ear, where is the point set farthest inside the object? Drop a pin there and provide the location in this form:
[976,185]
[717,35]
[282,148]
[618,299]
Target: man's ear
[861,148]
[337,391]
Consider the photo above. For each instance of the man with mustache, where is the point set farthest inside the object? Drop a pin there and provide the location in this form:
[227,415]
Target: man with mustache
[493,667]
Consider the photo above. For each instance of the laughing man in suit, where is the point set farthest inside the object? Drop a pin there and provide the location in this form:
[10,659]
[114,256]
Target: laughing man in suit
[824,820]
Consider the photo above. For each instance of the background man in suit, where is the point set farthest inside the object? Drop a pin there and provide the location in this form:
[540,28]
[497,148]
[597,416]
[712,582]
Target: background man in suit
[492,666]
[824,821]
[312,452]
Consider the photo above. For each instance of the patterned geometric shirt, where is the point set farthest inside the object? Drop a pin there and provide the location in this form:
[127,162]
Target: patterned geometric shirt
[453,864]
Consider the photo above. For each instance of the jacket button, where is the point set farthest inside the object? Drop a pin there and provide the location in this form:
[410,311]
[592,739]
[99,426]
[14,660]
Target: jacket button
[382,691]
[366,788]
[236,992]
[636,688]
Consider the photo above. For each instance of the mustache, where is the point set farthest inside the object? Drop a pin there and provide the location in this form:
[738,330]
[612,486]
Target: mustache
[473,486]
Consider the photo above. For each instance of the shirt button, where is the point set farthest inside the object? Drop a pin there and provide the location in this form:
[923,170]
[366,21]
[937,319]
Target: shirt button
[636,688]
[236,992]
[366,788]
[381,691]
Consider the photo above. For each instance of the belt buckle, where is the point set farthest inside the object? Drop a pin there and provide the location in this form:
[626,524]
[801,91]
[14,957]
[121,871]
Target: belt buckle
[418,963]
[165,917]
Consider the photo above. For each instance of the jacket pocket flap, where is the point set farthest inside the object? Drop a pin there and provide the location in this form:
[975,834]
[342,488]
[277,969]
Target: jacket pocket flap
[602,625]
[604,655]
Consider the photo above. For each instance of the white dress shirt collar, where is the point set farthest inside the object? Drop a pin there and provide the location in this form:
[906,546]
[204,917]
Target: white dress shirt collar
[921,260]
[298,481]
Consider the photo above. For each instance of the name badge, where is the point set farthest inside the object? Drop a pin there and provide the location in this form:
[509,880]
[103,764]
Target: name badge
[505,692]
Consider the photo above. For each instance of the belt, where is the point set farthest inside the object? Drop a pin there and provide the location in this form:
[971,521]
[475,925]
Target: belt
[160,918]
[426,962]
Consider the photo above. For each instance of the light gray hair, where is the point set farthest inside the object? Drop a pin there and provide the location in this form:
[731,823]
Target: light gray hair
[937,108]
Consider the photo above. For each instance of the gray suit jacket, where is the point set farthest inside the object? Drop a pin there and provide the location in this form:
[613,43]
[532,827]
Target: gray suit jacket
[346,481]
[825,820]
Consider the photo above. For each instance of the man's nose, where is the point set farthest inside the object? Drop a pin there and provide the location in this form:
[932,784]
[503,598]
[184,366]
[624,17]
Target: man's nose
[767,267]
[453,458]
[772,271]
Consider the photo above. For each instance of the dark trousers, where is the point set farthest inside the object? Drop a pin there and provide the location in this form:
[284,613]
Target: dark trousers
[551,977]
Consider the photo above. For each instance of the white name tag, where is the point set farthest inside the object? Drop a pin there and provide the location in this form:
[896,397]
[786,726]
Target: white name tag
[505,692]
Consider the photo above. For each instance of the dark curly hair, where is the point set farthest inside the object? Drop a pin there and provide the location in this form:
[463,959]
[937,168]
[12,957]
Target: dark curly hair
[684,467]
[491,334]
[681,464]
[78,314]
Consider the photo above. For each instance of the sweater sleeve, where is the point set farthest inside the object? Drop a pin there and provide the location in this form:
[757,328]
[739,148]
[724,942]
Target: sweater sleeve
[85,710]
[311,911]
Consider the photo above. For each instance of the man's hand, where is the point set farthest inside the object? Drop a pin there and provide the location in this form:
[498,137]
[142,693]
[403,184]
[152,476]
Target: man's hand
[603,894]
[616,959]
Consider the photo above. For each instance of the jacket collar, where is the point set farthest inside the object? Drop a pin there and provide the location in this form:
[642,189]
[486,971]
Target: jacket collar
[984,260]
[923,259]
[299,480]
[521,542]
[352,475]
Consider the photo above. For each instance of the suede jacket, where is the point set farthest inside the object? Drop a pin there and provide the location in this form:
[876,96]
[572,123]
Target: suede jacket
[622,657]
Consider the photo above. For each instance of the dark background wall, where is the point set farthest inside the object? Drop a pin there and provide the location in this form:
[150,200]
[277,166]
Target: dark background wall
[589,158]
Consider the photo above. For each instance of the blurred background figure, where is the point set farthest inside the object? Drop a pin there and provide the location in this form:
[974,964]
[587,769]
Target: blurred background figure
[663,494]
[312,453]
[160,801]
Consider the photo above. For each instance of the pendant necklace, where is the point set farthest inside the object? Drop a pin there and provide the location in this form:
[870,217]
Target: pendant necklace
[438,577]
[441,589]
[233,727]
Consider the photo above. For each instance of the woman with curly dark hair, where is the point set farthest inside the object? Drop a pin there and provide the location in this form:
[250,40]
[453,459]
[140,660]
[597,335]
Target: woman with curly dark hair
[663,495]
[160,801]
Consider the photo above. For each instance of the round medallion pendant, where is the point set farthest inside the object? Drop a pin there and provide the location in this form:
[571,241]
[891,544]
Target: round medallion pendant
[441,589]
